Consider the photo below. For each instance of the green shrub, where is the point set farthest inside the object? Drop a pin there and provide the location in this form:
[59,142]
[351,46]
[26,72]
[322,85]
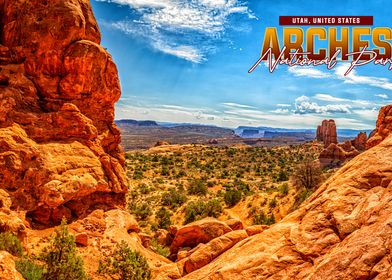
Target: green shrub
[273,203]
[242,186]
[262,219]
[144,188]
[138,174]
[282,176]
[125,264]
[60,259]
[142,211]
[197,187]
[284,189]
[29,269]
[173,198]
[11,244]
[199,209]
[303,196]
[159,249]
[232,197]
[163,218]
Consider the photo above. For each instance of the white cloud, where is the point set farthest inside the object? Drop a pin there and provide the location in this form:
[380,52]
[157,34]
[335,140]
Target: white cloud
[280,111]
[303,105]
[185,29]
[354,78]
[339,71]
[229,104]
[186,52]
[382,95]
[283,105]
[328,98]
[308,72]
[233,116]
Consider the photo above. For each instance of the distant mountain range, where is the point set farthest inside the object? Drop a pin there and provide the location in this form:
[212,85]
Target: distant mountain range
[244,131]
[269,132]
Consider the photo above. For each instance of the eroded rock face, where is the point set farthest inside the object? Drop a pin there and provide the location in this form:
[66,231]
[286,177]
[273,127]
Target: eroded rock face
[7,267]
[198,232]
[336,154]
[360,141]
[383,127]
[208,252]
[342,231]
[326,133]
[59,147]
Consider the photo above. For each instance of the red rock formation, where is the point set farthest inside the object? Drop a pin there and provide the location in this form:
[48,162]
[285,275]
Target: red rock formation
[235,224]
[198,232]
[326,132]
[360,141]
[59,147]
[383,127]
[208,252]
[336,154]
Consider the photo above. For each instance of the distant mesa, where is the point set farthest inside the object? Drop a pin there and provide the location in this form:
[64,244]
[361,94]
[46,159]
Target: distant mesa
[136,123]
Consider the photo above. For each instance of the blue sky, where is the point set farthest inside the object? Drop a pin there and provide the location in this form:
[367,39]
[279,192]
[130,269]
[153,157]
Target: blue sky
[187,61]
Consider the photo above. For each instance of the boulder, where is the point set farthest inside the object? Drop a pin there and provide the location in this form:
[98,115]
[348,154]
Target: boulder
[235,224]
[208,252]
[81,239]
[163,237]
[198,232]
[256,229]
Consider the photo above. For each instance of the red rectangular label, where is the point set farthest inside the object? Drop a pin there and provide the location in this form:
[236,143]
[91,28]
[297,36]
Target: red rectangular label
[326,20]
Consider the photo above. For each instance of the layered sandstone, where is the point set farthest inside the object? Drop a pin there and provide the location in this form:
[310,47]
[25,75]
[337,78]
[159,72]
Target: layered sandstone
[326,132]
[59,147]
[334,153]
[343,231]
[383,127]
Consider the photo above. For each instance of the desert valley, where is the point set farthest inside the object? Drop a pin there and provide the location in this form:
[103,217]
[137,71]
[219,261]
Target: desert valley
[83,196]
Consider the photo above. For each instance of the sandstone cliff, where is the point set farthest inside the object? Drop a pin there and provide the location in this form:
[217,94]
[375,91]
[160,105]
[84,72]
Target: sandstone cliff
[59,147]
[383,127]
[343,231]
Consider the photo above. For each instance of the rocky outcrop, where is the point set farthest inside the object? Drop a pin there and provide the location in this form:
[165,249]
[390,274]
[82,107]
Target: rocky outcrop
[7,267]
[208,252]
[198,232]
[335,154]
[359,142]
[59,147]
[326,133]
[342,231]
[9,220]
[383,127]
